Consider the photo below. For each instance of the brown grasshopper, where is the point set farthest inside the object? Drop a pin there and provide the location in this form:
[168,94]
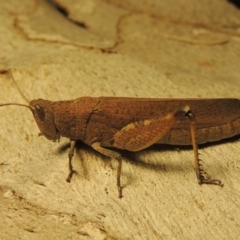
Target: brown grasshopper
[133,124]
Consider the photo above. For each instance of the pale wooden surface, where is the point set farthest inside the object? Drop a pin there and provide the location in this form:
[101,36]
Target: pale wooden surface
[184,49]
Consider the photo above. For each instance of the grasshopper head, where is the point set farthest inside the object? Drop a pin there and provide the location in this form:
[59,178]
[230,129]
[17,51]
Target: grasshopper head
[44,116]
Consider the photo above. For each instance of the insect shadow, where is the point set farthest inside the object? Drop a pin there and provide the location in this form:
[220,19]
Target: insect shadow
[136,159]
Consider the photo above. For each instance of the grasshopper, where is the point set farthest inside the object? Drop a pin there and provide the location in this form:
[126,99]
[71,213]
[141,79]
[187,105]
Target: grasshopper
[111,123]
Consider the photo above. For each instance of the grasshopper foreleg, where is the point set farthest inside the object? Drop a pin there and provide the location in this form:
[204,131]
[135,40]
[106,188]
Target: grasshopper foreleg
[70,156]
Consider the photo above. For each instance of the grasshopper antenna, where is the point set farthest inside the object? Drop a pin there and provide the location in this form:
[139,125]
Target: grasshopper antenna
[17,87]
[20,92]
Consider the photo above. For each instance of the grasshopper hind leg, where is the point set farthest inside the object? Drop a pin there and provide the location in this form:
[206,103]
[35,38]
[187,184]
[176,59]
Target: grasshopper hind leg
[142,134]
[202,176]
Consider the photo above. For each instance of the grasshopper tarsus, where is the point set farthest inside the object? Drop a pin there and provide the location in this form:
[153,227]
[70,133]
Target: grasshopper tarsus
[203,178]
[210,181]
[120,192]
[69,178]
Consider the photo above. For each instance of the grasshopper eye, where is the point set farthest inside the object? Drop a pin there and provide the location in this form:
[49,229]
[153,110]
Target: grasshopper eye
[40,112]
